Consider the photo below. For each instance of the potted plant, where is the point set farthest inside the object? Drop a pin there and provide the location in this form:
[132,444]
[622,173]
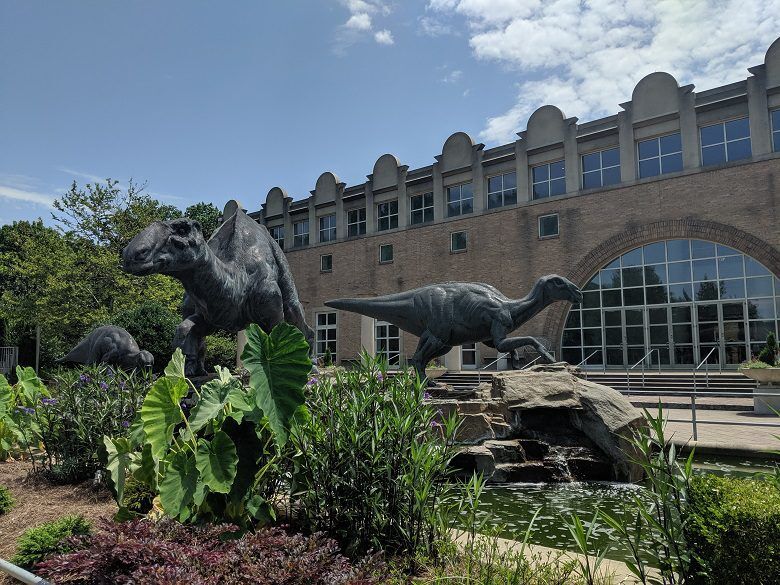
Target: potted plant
[434,369]
[765,369]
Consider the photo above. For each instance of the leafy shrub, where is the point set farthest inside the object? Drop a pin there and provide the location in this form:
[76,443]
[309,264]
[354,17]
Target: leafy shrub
[138,497]
[734,526]
[6,500]
[84,404]
[153,326]
[166,552]
[225,460]
[372,467]
[47,539]
[768,353]
[220,351]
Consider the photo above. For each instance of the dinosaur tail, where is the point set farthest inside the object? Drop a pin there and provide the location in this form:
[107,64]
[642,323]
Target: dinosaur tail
[394,311]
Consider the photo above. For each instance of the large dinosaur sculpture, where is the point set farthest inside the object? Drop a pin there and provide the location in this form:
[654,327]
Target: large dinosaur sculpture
[240,276]
[109,344]
[454,313]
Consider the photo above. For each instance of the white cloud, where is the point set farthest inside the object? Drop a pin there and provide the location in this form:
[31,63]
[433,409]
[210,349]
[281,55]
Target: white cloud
[453,76]
[360,21]
[433,27]
[10,192]
[586,56]
[384,37]
[88,176]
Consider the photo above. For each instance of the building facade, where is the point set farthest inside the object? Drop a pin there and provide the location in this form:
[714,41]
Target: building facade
[665,214]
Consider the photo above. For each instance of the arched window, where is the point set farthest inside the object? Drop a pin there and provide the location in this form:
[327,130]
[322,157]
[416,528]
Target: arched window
[683,298]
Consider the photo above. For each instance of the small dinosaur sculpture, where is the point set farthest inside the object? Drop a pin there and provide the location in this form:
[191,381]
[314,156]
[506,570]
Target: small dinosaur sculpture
[454,313]
[109,345]
[240,276]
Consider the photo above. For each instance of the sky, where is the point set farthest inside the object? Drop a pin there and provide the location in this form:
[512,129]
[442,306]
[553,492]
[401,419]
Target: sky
[208,101]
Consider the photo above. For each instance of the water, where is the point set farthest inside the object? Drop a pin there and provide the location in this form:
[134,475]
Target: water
[513,505]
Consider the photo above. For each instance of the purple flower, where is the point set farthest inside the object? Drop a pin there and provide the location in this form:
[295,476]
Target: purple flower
[426,395]
[379,377]
[312,381]
[25,410]
[48,401]
[84,379]
[434,424]
[121,385]
[103,385]
[125,423]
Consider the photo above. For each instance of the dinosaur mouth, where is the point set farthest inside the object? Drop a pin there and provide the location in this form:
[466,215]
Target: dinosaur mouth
[142,269]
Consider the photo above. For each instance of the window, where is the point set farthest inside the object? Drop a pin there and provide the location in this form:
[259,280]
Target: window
[458,241]
[548,226]
[549,180]
[600,169]
[328,228]
[326,263]
[356,222]
[776,130]
[421,208]
[725,141]
[385,253]
[387,214]
[502,190]
[301,233]
[277,233]
[326,336]
[460,200]
[388,342]
[660,155]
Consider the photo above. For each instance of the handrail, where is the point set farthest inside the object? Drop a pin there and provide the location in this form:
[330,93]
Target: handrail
[642,361]
[532,362]
[479,372]
[594,352]
[707,378]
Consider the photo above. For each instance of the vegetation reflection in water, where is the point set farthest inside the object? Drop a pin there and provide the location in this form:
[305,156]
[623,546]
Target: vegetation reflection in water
[513,505]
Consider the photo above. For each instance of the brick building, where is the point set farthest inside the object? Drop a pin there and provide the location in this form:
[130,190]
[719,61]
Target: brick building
[665,214]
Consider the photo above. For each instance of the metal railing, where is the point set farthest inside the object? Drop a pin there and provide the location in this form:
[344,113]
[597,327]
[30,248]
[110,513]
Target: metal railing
[585,362]
[642,361]
[9,358]
[695,422]
[706,364]
[502,356]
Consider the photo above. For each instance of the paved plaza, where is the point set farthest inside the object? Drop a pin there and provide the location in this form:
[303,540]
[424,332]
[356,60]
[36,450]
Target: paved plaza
[741,433]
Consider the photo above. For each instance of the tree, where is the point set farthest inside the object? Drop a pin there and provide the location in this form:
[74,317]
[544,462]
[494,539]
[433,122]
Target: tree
[207,215]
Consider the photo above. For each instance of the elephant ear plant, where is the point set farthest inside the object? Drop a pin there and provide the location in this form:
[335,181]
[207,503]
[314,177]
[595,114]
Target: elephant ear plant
[223,461]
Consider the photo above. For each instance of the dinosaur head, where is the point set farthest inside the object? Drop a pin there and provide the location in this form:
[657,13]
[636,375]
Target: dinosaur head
[558,288]
[145,359]
[165,247]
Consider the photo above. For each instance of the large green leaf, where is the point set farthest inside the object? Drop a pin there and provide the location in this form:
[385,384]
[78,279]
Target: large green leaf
[6,396]
[216,461]
[213,398]
[175,367]
[161,412]
[119,452]
[144,467]
[249,449]
[178,485]
[29,385]
[278,365]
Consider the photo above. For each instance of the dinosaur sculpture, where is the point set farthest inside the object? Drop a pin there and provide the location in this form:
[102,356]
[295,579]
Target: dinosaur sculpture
[454,313]
[110,345]
[240,276]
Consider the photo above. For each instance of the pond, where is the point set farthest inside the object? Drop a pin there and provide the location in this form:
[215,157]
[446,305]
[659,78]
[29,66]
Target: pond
[513,505]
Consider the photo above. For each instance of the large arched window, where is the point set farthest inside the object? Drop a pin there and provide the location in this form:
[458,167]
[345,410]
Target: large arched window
[680,297]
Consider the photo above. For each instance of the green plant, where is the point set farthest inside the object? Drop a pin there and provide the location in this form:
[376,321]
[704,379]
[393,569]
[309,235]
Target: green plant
[153,326]
[755,364]
[768,353]
[6,500]
[138,497]
[220,351]
[224,461]
[734,526]
[589,560]
[372,462]
[47,539]
[19,428]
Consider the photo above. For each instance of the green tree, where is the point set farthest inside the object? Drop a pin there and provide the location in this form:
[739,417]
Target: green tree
[207,215]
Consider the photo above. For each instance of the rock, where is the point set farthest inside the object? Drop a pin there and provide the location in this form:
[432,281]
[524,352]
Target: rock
[544,398]
[506,451]
[474,428]
[530,472]
[475,459]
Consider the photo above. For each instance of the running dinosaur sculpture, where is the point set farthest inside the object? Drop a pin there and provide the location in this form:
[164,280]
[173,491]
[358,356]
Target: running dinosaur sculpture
[112,345]
[454,313]
[240,276]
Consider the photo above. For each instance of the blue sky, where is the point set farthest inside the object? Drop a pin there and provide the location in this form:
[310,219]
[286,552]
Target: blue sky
[214,100]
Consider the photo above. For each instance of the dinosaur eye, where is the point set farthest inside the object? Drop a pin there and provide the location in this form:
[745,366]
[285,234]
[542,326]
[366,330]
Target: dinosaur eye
[180,244]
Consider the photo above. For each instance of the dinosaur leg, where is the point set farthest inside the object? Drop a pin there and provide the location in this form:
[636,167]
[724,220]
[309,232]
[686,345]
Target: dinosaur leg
[509,344]
[428,348]
[190,337]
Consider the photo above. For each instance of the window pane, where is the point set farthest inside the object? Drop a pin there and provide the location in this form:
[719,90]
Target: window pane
[633,296]
[739,149]
[610,278]
[670,143]
[712,134]
[753,268]
[632,277]
[671,163]
[761,309]
[541,190]
[557,170]
[655,274]
[610,158]
[611,298]
[557,187]
[540,173]
[705,291]
[632,258]
[494,184]
[730,267]
[548,226]
[713,155]
[655,253]
[465,191]
[611,176]
[732,289]
[591,162]
[736,129]
[591,180]
[417,217]
[678,250]
[680,293]
[510,197]
[494,200]
[648,148]
[649,168]
[702,249]
[656,295]
[759,287]
[510,181]
[679,271]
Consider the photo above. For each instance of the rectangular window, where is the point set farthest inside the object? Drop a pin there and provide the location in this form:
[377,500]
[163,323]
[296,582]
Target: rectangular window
[385,253]
[421,208]
[660,155]
[387,215]
[458,241]
[776,130]
[388,342]
[277,233]
[725,141]
[460,200]
[356,222]
[600,169]
[326,336]
[326,263]
[301,233]
[549,179]
[548,226]
[502,190]
[328,228]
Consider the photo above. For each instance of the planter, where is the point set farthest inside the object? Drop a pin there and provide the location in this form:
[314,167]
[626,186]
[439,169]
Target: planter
[768,383]
[433,373]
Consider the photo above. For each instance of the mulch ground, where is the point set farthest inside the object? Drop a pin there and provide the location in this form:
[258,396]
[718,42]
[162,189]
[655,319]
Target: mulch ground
[38,501]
